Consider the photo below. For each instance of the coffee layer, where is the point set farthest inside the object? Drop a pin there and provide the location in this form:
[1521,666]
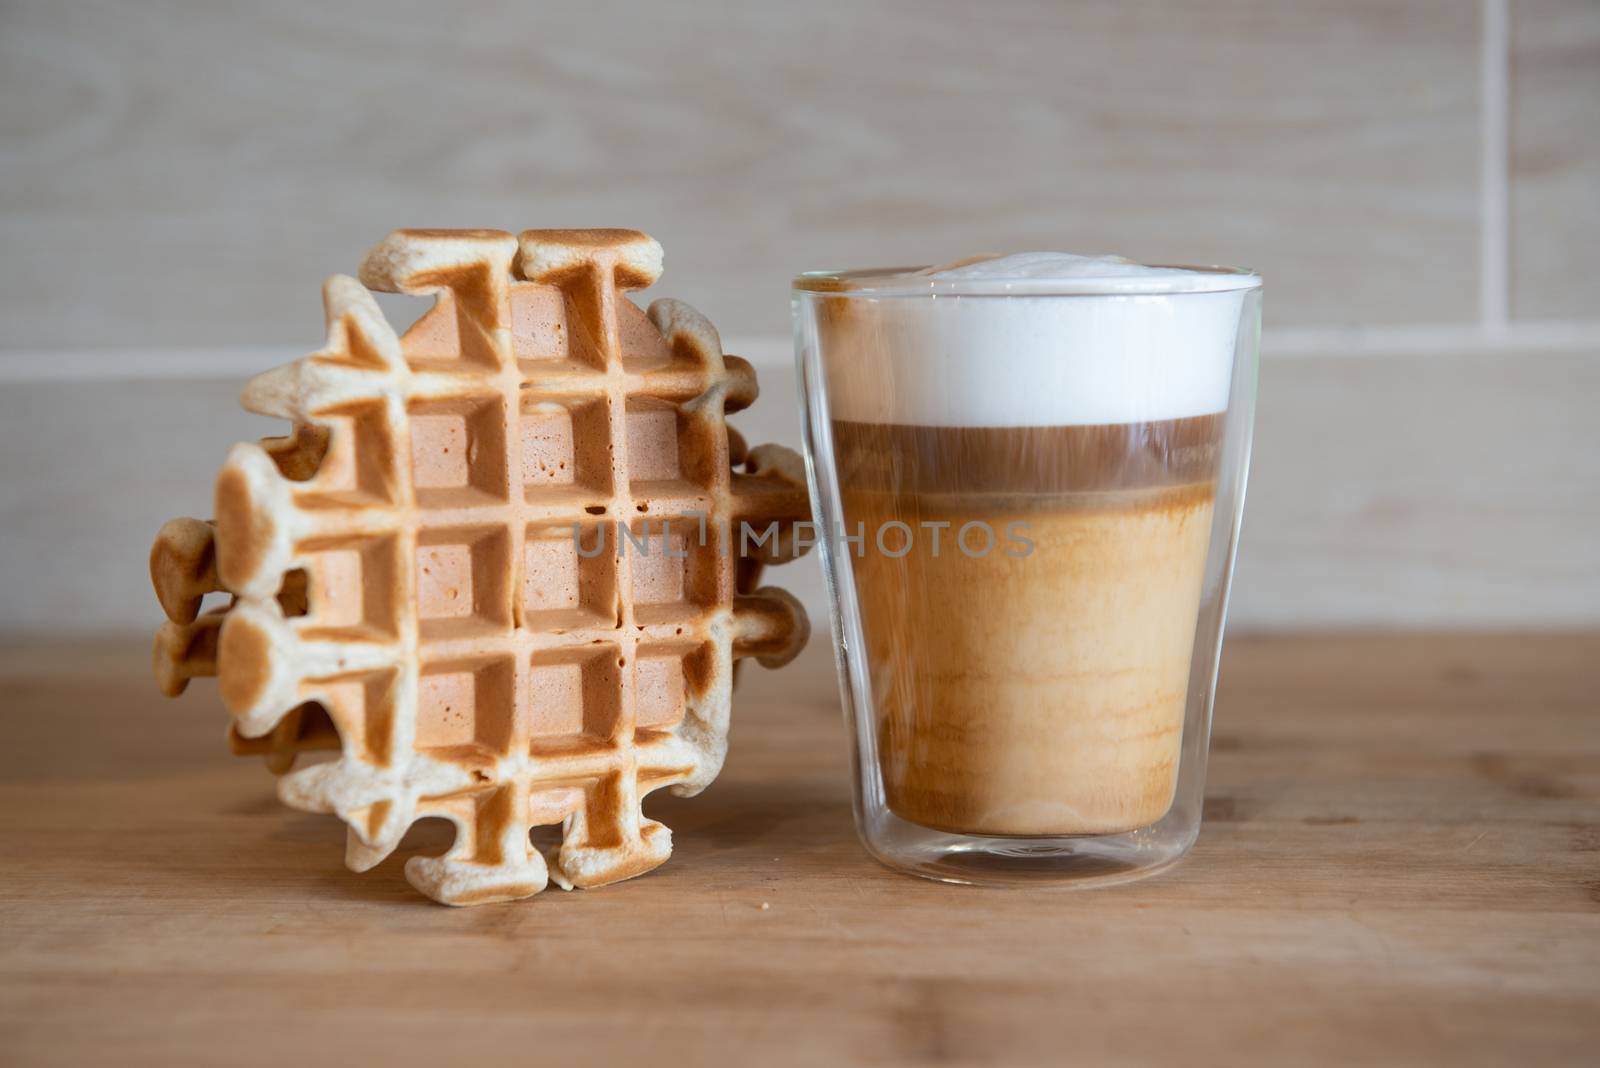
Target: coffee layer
[1036,694]
[1040,460]
[1039,692]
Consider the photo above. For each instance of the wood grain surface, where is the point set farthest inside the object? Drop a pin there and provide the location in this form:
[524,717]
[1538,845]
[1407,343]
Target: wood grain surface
[1400,865]
[186,172]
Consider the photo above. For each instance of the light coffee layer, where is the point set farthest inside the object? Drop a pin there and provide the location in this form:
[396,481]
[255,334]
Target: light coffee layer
[1038,688]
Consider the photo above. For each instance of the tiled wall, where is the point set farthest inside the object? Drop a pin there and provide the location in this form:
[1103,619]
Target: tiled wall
[182,174]
[1554,104]
[1419,180]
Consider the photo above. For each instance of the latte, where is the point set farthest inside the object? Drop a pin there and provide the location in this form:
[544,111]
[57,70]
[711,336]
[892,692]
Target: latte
[1036,464]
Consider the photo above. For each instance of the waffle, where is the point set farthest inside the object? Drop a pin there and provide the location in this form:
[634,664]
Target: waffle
[475,569]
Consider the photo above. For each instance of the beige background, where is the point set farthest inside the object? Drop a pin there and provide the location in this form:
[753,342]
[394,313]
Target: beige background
[1418,180]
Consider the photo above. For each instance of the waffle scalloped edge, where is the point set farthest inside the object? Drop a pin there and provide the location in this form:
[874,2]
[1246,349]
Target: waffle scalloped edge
[421,577]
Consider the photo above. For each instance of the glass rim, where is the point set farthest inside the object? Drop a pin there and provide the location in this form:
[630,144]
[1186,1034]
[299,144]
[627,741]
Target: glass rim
[873,282]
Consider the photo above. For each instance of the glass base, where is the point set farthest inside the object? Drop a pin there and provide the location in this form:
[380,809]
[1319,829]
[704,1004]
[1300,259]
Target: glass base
[1064,862]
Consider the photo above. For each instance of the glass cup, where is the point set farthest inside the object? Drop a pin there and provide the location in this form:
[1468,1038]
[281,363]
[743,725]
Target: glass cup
[1028,495]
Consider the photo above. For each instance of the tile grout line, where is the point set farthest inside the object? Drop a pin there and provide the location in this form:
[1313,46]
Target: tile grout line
[1430,339]
[1494,186]
[772,351]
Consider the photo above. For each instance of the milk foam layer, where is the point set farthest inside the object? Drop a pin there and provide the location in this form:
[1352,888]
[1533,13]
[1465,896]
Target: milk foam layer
[1033,339]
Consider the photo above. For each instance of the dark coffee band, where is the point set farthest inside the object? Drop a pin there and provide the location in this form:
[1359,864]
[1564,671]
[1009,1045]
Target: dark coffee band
[876,457]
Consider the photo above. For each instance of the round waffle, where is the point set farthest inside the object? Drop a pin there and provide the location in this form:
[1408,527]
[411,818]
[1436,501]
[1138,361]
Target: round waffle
[497,565]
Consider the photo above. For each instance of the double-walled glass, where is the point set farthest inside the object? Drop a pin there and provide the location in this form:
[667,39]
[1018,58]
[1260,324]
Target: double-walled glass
[1029,495]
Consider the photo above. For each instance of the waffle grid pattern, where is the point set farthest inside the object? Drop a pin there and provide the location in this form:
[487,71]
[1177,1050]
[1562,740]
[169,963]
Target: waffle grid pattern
[476,566]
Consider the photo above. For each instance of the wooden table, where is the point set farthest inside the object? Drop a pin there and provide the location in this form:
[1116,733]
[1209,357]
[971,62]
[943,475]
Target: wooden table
[1400,863]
